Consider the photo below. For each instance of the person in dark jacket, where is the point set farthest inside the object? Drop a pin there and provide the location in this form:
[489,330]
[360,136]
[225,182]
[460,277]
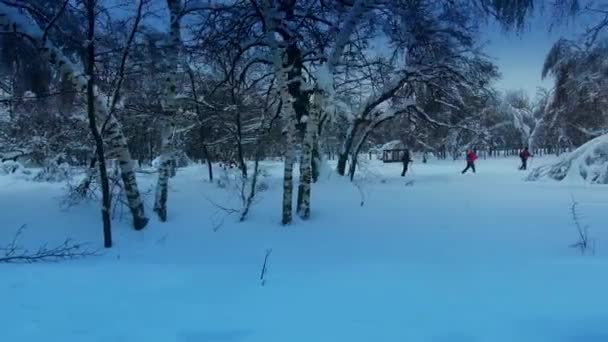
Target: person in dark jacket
[406,159]
[471,158]
[524,155]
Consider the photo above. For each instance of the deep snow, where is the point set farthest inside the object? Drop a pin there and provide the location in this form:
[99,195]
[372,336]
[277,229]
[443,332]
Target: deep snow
[447,258]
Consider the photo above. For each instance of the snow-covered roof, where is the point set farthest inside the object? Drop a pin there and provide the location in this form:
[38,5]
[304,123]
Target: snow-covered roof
[392,145]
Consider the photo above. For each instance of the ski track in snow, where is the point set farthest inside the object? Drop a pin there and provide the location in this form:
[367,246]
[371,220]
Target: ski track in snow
[450,258]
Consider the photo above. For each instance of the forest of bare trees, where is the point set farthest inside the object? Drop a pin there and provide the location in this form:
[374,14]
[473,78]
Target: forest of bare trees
[111,85]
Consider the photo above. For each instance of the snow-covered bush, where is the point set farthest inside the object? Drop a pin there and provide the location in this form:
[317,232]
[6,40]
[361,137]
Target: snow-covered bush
[9,167]
[182,160]
[224,179]
[588,162]
[54,172]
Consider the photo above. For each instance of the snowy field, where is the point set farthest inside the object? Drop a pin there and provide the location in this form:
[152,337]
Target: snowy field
[446,258]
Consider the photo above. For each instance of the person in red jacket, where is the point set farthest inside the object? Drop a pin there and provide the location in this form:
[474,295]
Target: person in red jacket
[524,155]
[471,158]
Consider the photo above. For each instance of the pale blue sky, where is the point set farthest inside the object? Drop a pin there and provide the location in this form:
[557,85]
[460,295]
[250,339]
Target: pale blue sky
[520,57]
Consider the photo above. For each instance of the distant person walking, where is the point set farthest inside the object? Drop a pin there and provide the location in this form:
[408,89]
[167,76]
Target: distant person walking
[471,158]
[406,159]
[524,155]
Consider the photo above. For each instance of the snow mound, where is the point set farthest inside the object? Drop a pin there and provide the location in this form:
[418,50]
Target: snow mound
[587,163]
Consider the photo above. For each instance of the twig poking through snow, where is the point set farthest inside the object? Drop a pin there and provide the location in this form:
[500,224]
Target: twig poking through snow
[265,267]
[583,231]
[361,193]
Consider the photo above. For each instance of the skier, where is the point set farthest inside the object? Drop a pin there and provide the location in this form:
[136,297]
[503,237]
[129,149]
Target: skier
[524,155]
[471,157]
[406,160]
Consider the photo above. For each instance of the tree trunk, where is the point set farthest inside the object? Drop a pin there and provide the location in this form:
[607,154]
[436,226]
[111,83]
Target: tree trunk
[282,68]
[370,126]
[317,156]
[254,178]
[164,172]
[203,136]
[288,172]
[207,156]
[352,167]
[103,176]
[306,161]
[355,154]
[342,159]
[290,137]
[317,160]
[167,167]
[239,147]
[346,147]
[120,151]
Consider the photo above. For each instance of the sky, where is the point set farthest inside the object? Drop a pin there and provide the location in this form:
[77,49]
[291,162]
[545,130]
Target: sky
[520,57]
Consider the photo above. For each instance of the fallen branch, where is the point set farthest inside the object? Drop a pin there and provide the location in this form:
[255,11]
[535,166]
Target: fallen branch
[68,250]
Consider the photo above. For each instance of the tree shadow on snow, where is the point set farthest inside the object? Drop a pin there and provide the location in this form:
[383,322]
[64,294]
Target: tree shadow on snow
[214,336]
[455,337]
[588,329]
[587,337]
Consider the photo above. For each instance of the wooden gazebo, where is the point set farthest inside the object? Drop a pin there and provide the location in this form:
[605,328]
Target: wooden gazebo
[393,155]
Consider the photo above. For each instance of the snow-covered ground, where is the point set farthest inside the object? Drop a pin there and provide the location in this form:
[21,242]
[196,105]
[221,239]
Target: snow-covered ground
[446,258]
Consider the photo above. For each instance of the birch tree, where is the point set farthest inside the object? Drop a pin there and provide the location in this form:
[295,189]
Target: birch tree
[172,65]
[322,97]
[17,19]
[99,147]
[272,20]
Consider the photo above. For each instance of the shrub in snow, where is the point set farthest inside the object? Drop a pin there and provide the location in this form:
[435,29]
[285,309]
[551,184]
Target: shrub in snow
[262,186]
[156,163]
[182,160]
[9,167]
[223,180]
[588,162]
[325,170]
[54,173]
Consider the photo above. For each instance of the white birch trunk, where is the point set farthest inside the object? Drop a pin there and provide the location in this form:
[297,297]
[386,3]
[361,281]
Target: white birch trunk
[288,173]
[290,137]
[164,171]
[119,150]
[272,19]
[16,21]
[307,159]
[167,163]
